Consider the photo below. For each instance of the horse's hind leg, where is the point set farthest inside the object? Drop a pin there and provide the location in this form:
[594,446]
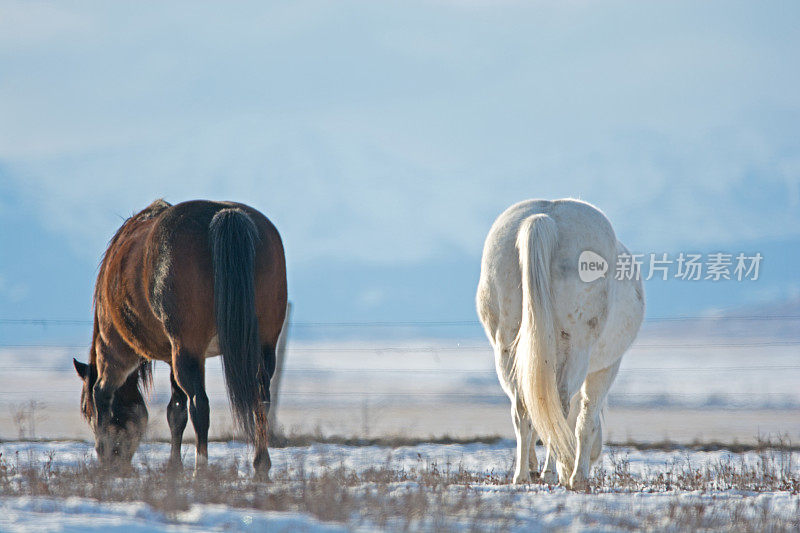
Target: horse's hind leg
[262,462]
[549,472]
[533,461]
[177,417]
[522,430]
[189,372]
[587,426]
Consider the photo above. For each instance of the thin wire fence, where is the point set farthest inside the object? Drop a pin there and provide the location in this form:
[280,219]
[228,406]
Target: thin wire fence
[14,368]
[304,371]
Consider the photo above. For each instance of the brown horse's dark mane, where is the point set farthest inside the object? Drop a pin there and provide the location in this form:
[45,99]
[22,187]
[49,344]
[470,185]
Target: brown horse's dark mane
[147,213]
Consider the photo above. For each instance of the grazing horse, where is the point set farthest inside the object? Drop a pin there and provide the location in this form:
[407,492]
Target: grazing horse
[179,284]
[558,341]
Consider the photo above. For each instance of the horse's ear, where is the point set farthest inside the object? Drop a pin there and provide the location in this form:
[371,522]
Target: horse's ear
[81,368]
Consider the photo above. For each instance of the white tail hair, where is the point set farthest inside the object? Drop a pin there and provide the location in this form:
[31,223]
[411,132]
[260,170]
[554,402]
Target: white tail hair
[535,360]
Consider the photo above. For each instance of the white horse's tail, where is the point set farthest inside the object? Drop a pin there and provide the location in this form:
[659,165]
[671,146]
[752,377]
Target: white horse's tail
[536,344]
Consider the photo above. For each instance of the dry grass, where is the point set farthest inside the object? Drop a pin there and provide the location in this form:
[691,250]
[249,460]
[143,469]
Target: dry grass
[442,497]
[772,470]
[421,498]
[279,438]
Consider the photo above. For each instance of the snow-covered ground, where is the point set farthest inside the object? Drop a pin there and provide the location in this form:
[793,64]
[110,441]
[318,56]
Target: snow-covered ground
[643,502]
[81,514]
[708,387]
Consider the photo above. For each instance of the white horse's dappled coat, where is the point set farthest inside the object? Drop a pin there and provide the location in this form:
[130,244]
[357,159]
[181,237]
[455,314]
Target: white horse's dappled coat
[558,341]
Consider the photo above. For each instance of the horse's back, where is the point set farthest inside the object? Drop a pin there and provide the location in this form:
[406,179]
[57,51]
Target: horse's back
[580,226]
[182,282]
[156,281]
[186,225]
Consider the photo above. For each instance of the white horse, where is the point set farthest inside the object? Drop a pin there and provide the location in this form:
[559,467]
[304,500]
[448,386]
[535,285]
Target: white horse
[558,341]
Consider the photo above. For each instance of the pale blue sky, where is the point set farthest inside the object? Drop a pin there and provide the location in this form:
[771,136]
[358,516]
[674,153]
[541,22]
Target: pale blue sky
[389,135]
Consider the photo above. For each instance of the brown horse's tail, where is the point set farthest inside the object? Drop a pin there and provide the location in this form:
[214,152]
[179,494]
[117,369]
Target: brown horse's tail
[233,236]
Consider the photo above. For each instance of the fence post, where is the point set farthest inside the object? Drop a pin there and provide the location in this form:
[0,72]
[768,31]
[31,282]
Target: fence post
[280,356]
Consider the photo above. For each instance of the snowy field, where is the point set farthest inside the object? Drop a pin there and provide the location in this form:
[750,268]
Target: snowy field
[731,387]
[323,487]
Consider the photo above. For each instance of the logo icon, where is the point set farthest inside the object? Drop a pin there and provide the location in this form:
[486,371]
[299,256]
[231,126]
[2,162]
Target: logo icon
[591,266]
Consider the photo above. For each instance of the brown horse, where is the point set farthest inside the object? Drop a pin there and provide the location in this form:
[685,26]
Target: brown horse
[179,284]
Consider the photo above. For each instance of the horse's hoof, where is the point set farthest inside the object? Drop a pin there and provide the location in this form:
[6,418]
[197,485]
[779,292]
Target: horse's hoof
[261,471]
[174,467]
[123,470]
[521,479]
[200,470]
[550,478]
[261,466]
[578,485]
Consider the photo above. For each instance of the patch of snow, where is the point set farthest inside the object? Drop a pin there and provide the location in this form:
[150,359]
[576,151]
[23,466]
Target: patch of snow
[41,514]
[534,507]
